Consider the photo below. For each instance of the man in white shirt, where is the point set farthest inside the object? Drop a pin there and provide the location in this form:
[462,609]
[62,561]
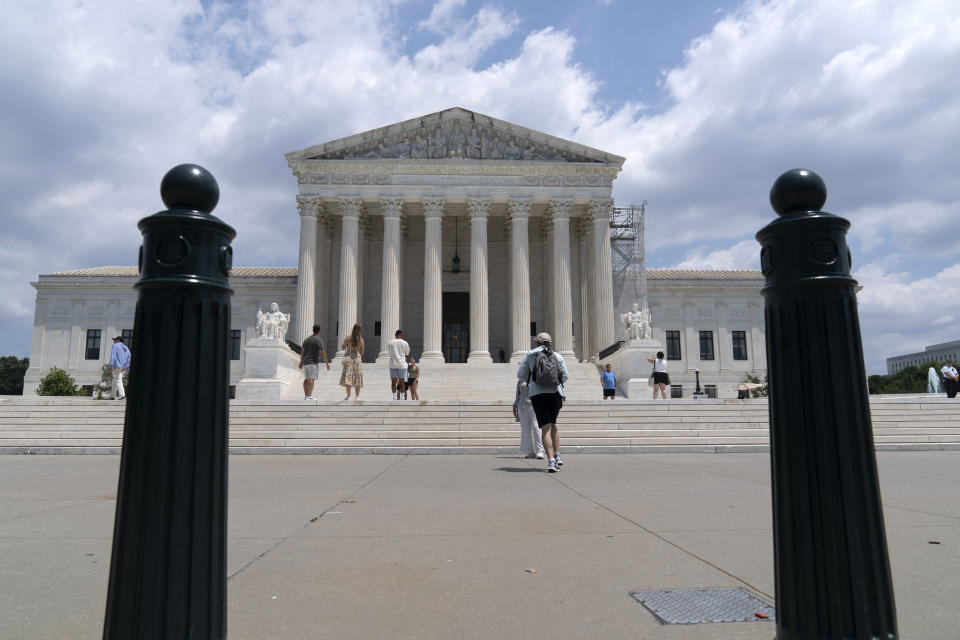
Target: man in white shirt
[950,378]
[398,350]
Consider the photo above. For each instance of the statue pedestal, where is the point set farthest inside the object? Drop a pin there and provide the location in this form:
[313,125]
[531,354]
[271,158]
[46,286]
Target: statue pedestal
[271,371]
[632,368]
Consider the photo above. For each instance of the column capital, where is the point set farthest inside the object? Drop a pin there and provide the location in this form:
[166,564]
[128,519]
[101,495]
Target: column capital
[560,207]
[392,206]
[519,207]
[601,209]
[582,226]
[350,206]
[308,206]
[478,207]
[433,206]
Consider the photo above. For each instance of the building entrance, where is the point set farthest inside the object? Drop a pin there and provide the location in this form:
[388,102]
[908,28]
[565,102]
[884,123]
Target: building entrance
[456,326]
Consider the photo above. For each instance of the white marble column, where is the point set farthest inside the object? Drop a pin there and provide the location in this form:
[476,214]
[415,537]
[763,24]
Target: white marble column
[562,299]
[432,283]
[350,208]
[306,271]
[479,282]
[600,211]
[586,289]
[321,308]
[390,286]
[520,282]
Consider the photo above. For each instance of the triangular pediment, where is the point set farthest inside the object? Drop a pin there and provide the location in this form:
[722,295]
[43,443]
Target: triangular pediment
[454,134]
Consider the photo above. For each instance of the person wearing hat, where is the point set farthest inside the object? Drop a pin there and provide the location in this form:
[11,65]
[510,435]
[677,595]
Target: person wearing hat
[546,396]
[119,362]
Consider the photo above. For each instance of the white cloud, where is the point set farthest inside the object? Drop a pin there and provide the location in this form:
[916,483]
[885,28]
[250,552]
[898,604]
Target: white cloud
[743,255]
[102,98]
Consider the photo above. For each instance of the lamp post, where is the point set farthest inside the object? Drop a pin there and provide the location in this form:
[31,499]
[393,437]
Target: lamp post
[698,390]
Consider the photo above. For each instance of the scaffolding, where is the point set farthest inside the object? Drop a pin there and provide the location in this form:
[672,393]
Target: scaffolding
[627,251]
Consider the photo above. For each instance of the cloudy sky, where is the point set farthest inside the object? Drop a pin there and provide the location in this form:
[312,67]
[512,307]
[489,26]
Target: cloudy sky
[709,101]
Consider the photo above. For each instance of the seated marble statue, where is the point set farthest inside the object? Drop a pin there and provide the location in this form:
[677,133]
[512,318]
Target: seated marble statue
[272,324]
[636,326]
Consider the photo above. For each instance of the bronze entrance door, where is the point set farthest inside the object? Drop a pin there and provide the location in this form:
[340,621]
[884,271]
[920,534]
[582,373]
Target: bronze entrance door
[456,326]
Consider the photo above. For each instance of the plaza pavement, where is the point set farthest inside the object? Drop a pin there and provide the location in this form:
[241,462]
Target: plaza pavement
[472,546]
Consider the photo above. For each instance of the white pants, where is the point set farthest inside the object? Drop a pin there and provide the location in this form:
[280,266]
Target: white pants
[116,389]
[530,438]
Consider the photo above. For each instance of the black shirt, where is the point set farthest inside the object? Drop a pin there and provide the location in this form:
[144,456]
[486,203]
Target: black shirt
[312,347]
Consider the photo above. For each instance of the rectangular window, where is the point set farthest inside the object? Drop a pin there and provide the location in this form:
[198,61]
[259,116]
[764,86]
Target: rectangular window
[127,335]
[739,345]
[676,391]
[706,345]
[533,328]
[673,345]
[93,344]
[234,344]
[710,390]
[376,328]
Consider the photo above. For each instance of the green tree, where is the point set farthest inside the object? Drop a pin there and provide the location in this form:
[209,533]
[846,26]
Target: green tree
[12,370]
[760,392]
[912,379]
[58,383]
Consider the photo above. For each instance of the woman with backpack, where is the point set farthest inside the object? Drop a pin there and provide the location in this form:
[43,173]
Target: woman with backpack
[544,370]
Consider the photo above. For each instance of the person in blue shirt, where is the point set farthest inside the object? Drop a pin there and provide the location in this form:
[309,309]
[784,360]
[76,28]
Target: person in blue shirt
[546,400]
[609,380]
[119,362]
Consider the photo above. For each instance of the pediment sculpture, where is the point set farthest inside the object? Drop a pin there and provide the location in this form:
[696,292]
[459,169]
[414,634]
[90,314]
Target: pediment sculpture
[455,139]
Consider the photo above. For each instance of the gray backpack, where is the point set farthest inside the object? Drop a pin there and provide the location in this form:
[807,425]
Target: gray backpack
[546,368]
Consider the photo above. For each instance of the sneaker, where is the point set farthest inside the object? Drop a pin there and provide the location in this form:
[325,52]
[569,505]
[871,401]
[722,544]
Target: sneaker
[539,456]
[551,466]
[559,462]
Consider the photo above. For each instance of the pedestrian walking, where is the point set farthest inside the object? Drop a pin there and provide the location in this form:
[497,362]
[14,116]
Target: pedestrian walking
[310,353]
[352,375]
[398,350]
[531,443]
[951,382]
[544,370]
[413,378]
[660,377]
[609,381]
[119,363]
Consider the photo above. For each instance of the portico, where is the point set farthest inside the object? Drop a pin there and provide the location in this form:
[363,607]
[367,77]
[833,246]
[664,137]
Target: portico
[383,213]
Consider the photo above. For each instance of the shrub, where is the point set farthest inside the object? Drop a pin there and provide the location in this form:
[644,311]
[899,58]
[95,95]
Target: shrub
[58,383]
[911,379]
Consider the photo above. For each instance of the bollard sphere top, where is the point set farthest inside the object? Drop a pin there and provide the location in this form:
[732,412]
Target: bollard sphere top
[190,187]
[798,190]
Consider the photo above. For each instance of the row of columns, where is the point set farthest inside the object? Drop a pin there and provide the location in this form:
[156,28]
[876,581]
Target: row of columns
[596,322]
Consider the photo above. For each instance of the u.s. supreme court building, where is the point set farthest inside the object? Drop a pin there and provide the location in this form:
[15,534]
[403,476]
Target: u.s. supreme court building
[470,234]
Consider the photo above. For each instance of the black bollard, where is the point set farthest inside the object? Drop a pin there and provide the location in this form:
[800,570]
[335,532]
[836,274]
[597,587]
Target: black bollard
[168,568]
[831,567]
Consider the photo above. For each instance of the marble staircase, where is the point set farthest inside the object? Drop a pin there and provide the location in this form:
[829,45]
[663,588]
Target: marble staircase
[81,425]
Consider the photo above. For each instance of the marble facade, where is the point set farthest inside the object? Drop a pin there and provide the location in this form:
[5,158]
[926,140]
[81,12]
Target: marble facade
[523,198]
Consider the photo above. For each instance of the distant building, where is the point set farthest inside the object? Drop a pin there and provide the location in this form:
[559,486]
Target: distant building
[938,352]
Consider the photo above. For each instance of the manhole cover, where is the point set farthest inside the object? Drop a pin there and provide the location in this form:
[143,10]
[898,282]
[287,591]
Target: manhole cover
[692,606]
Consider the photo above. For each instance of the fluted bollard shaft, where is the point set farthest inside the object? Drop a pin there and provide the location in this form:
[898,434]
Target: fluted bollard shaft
[831,568]
[168,568]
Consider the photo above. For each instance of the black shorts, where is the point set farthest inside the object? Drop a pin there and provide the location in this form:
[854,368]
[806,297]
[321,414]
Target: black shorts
[609,393]
[547,407]
[661,377]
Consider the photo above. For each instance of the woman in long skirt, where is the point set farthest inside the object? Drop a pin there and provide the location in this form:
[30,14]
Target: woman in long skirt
[530,438]
[352,375]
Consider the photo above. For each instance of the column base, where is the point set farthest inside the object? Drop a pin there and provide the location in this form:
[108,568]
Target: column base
[432,355]
[479,357]
[382,357]
[517,357]
[568,355]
